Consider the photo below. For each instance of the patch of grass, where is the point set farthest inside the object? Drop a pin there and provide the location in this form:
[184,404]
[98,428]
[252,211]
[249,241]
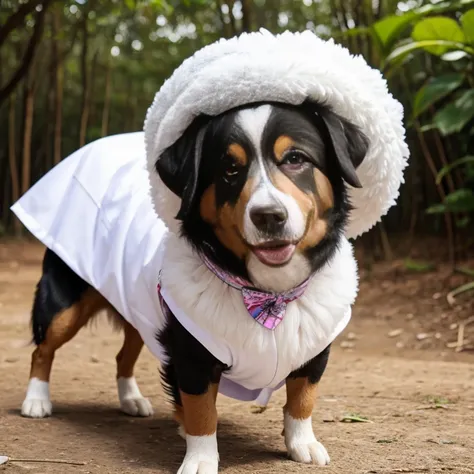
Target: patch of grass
[418,266]
[435,402]
[438,400]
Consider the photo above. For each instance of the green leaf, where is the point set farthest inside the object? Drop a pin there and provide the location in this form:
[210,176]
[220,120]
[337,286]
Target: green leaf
[388,29]
[461,289]
[398,54]
[438,28]
[437,209]
[435,90]
[355,418]
[461,200]
[456,115]
[467,22]
[428,127]
[459,196]
[359,31]
[446,169]
[418,266]
[465,271]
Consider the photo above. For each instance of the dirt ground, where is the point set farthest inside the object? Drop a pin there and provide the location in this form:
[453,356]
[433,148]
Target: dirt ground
[394,365]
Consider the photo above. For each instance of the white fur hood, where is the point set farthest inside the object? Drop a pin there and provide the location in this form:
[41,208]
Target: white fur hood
[288,68]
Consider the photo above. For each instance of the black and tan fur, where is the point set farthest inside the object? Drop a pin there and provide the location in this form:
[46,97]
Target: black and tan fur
[308,153]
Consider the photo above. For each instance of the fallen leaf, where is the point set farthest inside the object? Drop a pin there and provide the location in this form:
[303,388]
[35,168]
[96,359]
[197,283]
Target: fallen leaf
[433,407]
[354,418]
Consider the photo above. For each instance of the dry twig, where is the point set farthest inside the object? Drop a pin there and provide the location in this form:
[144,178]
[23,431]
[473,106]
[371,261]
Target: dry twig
[51,461]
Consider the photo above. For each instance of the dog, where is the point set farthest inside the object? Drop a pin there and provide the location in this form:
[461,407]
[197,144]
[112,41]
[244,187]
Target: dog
[263,197]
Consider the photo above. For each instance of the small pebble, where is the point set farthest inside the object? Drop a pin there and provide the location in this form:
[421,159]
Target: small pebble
[329,419]
[438,335]
[347,344]
[94,359]
[453,326]
[11,360]
[352,336]
[399,345]
[395,333]
[422,335]
[437,296]
[410,316]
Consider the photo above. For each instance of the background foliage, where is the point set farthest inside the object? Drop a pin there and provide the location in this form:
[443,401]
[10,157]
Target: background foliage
[75,70]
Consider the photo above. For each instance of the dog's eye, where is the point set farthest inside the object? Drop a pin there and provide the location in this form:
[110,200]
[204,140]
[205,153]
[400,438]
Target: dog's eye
[294,160]
[231,172]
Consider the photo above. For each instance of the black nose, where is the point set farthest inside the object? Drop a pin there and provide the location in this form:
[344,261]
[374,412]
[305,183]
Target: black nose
[269,219]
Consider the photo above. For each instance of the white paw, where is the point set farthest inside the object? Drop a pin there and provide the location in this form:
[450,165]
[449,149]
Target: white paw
[196,464]
[37,402]
[310,453]
[36,408]
[301,443]
[132,402]
[201,455]
[137,407]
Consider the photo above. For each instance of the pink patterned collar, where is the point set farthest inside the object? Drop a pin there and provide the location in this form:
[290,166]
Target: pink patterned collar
[267,308]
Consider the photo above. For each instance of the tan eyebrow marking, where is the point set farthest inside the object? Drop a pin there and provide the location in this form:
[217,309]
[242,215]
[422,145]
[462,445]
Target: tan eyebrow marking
[238,152]
[282,143]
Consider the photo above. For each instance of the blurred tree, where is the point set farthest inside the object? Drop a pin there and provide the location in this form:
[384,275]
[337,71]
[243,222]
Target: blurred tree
[76,70]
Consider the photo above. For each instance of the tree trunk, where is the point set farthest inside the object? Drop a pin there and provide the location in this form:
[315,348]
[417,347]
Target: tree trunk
[15,179]
[27,133]
[106,109]
[247,15]
[17,19]
[58,90]
[226,27]
[85,79]
[29,55]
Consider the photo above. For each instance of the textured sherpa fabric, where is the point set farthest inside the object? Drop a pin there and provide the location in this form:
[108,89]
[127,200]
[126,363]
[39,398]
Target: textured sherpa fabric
[287,68]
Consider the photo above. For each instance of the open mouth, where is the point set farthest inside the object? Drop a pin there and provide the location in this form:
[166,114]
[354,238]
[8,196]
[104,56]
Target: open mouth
[274,252]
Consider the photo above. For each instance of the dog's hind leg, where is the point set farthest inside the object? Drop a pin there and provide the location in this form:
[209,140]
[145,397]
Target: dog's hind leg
[131,400]
[63,305]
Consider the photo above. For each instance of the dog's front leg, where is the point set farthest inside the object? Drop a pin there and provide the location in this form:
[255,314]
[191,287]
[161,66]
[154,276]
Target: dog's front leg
[301,389]
[199,418]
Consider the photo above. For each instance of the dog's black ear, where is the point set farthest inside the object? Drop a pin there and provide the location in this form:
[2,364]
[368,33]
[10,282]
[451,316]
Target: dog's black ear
[178,166]
[348,142]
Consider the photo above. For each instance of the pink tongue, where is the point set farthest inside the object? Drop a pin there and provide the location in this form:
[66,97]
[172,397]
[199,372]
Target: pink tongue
[275,256]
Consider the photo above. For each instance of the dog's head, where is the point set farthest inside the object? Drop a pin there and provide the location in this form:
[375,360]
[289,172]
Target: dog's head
[262,188]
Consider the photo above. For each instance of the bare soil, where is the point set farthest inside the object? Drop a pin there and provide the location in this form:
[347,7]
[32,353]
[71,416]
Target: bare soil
[391,366]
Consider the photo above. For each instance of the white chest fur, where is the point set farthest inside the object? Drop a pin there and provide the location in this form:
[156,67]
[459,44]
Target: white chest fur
[217,317]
